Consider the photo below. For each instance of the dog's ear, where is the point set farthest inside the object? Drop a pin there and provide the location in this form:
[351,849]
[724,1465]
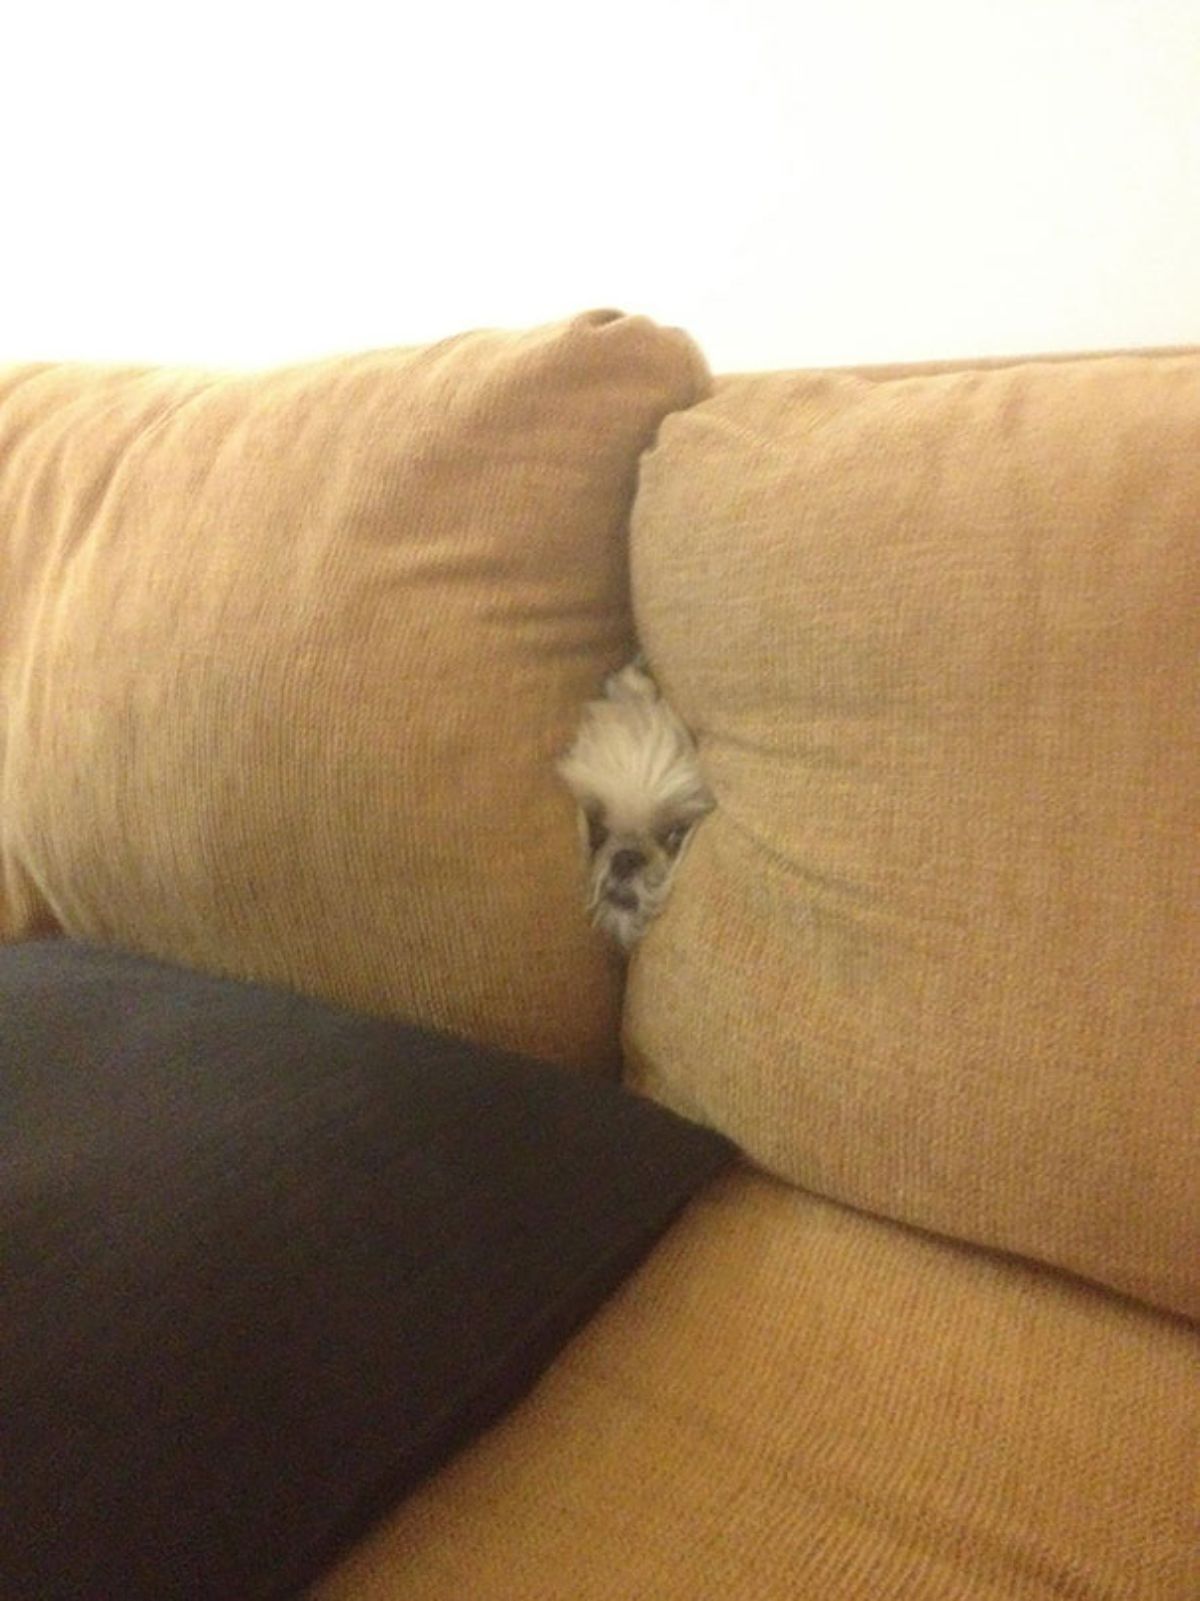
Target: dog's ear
[631,683]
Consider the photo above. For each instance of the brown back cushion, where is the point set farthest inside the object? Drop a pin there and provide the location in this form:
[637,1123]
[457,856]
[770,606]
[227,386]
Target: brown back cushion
[937,952]
[285,660]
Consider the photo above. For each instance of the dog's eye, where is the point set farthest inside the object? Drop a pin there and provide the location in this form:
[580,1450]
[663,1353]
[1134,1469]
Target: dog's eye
[671,839]
[596,831]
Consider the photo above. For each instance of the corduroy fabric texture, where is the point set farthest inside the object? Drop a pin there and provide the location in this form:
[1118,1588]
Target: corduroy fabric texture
[792,1401]
[285,660]
[936,952]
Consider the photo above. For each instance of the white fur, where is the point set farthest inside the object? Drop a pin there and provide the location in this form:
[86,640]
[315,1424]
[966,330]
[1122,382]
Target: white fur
[634,772]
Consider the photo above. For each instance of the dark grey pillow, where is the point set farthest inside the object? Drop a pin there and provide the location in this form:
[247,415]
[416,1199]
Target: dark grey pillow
[266,1264]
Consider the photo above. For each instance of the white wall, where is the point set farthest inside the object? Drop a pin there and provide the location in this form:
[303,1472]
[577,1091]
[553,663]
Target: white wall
[796,183]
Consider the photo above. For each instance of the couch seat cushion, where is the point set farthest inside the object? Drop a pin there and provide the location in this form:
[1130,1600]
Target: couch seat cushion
[793,1402]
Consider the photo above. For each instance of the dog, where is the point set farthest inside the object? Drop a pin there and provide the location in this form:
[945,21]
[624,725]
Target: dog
[635,776]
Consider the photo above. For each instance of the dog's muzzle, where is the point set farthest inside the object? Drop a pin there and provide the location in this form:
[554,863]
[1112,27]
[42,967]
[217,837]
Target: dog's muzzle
[625,864]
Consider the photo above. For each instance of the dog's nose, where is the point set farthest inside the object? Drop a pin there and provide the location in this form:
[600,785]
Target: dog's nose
[625,864]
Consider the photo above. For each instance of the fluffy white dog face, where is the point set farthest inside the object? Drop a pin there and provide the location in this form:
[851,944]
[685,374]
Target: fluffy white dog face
[634,773]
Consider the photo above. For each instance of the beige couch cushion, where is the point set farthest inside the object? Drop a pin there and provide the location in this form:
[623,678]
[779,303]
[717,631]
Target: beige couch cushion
[937,952]
[791,1402]
[285,659]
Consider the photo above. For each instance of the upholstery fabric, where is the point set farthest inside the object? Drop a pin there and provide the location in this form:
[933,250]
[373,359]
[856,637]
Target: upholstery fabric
[264,1265]
[790,1400]
[285,660]
[936,952]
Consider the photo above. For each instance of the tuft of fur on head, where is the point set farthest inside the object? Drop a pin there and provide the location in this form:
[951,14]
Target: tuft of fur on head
[635,776]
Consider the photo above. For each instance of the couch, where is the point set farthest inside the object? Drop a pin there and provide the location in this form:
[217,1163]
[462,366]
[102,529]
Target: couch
[285,661]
